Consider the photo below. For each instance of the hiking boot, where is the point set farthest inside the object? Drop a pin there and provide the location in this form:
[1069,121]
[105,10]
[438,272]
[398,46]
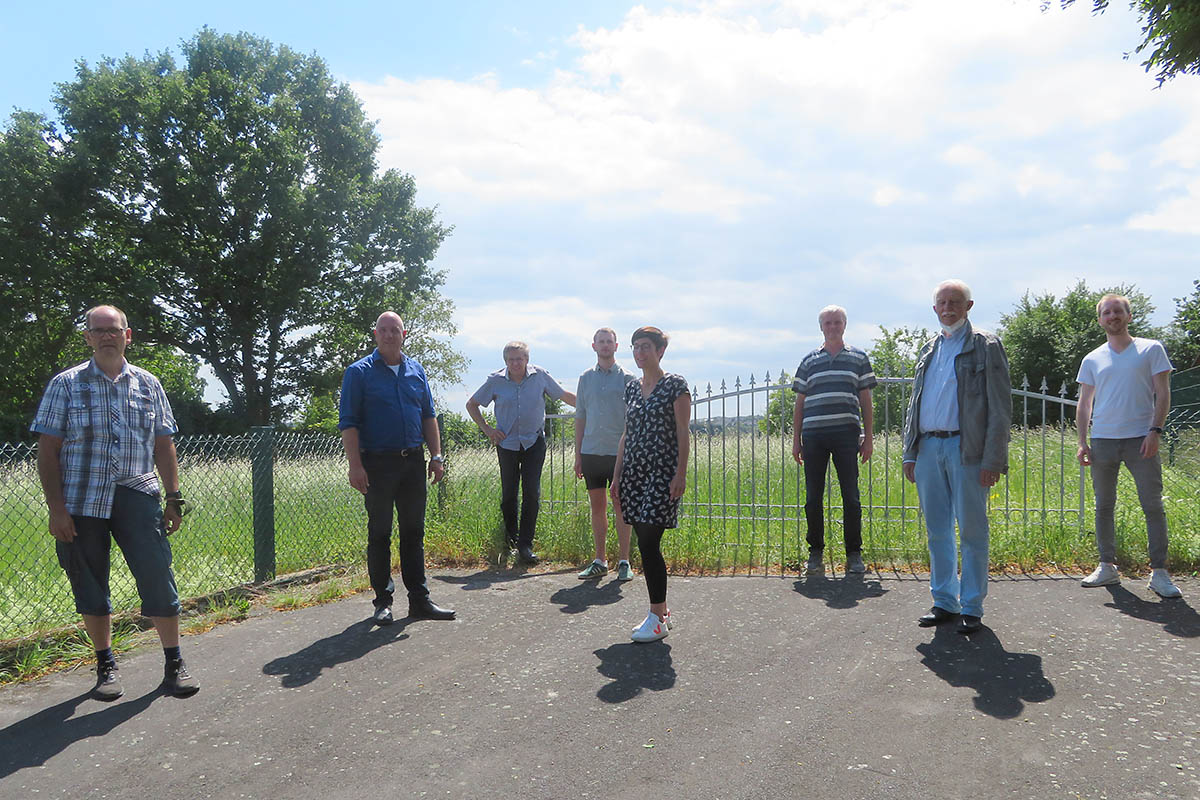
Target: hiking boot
[854,563]
[178,681]
[108,683]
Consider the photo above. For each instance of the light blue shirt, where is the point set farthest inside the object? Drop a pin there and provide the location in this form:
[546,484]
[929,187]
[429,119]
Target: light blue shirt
[939,397]
[600,408]
[520,409]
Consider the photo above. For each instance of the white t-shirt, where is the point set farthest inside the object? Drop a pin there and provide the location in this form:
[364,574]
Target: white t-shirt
[1123,407]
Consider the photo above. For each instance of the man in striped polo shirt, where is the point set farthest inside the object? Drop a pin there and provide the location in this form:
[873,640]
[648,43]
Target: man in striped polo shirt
[833,418]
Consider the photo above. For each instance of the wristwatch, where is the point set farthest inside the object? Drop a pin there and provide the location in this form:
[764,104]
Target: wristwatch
[438,458]
[1156,429]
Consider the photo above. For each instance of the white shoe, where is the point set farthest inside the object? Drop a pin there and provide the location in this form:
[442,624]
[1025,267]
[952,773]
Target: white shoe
[1104,575]
[1161,583]
[651,630]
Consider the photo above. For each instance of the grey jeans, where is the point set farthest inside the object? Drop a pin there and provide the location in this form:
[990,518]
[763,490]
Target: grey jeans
[1107,455]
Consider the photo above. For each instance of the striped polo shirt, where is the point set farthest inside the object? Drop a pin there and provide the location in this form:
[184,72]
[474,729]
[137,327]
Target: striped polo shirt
[830,385]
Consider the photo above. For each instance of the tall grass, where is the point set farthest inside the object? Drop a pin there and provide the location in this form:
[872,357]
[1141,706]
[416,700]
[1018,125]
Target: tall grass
[743,511]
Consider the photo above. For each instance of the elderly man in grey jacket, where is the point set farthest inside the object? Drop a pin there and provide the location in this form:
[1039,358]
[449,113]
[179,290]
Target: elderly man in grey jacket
[956,436]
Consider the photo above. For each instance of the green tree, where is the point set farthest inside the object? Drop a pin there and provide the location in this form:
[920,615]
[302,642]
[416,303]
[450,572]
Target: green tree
[48,274]
[1170,32]
[1046,338]
[238,201]
[894,355]
[1182,339]
[777,419]
[429,319]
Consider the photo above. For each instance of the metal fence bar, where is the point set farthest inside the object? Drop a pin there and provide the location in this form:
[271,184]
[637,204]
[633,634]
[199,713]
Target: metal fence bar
[275,501]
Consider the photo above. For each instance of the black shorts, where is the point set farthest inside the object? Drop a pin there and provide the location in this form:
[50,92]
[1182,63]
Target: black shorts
[597,470]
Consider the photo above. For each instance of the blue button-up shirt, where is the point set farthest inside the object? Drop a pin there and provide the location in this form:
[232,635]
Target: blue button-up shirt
[939,397]
[387,407]
[520,409]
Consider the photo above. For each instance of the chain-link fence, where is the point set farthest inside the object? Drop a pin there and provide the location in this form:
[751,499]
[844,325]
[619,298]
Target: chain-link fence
[270,503]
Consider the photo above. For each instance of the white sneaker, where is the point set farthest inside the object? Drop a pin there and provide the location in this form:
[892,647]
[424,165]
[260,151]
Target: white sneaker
[651,630]
[1161,583]
[1104,575]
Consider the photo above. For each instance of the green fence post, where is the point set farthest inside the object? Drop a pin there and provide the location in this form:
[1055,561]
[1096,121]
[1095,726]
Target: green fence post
[441,485]
[262,471]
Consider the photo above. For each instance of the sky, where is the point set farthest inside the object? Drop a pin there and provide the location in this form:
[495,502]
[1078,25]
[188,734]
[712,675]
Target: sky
[725,169]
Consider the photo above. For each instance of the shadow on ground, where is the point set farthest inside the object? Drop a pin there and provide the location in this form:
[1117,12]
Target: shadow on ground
[1176,616]
[33,741]
[587,594]
[1004,682]
[305,666]
[487,578]
[844,592]
[633,669]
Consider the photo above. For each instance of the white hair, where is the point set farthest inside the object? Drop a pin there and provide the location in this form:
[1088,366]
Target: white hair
[957,285]
[831,310]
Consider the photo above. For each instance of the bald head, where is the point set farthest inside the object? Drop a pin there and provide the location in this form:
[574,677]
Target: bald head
[389,336]
[390,318]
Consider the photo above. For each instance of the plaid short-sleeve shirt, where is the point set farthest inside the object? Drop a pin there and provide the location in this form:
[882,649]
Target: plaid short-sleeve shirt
[108,428]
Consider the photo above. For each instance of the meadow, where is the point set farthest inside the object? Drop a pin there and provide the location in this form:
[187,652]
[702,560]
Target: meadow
[743,512]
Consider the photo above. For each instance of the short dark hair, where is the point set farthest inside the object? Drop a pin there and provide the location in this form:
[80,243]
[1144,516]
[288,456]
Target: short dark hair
[656,336]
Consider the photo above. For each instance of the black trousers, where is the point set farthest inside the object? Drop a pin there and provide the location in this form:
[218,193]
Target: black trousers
[521,470]
[398,482]
[842,446]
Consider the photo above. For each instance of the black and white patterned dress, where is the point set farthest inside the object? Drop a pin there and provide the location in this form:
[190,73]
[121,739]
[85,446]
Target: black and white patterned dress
[651,452]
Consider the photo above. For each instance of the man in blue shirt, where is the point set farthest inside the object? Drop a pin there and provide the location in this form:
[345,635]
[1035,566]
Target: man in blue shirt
[518,392]
[386,418]
[956,435]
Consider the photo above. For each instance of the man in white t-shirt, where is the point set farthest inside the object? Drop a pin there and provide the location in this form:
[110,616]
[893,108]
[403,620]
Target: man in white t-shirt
[1125,393]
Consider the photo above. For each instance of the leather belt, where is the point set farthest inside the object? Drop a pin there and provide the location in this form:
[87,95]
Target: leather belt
[408,452]
[940,434]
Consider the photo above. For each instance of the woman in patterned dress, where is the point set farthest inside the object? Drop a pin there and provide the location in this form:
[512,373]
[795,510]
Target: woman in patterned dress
[651,471]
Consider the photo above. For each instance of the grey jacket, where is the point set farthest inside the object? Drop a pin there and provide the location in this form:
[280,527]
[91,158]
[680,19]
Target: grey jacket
[984,400]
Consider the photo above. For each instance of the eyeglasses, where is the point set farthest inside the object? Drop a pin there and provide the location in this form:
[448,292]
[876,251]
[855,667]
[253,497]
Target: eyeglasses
[106,331]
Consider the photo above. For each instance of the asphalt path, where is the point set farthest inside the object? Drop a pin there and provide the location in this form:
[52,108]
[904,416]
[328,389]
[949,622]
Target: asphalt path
[769,687]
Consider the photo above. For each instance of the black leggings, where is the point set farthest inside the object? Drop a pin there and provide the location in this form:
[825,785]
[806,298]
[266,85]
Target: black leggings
[654,567]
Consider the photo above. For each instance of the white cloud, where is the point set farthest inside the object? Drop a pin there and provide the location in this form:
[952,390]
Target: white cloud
[724,168]
[1108,161]
[694,109]
[1179,214]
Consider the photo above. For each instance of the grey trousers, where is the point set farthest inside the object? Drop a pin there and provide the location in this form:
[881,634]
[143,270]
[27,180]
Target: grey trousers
[1107,455]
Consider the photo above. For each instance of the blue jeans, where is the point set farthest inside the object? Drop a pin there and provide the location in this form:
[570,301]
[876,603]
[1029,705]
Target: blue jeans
[950,491]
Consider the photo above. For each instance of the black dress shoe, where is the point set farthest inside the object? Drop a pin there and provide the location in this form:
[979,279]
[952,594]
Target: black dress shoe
[429,610]
[969,624]
[936,616]
[526,555]
[382,615]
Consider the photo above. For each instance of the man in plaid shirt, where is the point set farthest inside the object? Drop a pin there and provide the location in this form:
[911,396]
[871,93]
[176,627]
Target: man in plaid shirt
[104,426]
